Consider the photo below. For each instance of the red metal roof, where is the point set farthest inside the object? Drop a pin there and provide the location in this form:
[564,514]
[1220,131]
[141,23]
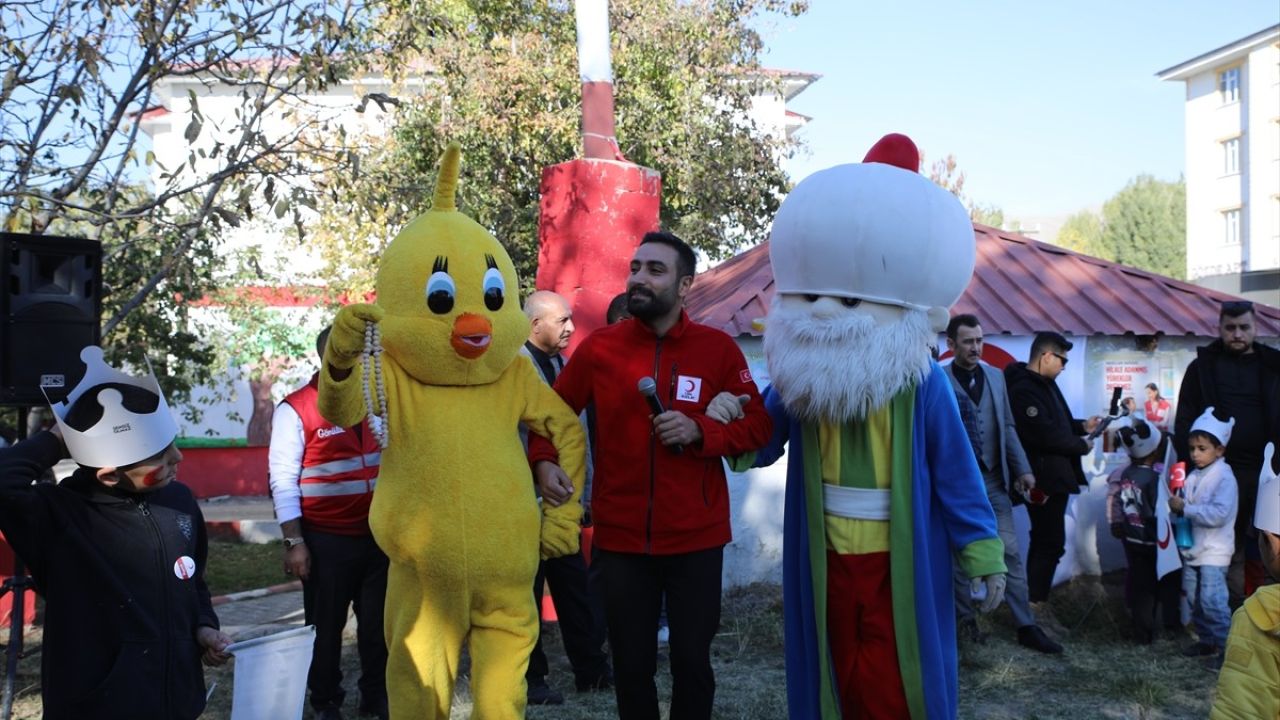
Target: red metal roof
[1020,286]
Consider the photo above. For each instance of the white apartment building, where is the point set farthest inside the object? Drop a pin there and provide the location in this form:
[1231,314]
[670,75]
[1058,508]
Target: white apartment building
[1233,165]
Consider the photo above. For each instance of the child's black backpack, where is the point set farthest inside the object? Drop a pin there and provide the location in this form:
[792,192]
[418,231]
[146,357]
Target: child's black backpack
[1138,504]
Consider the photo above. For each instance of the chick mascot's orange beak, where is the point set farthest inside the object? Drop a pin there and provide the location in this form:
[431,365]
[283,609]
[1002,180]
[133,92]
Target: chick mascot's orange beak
[454,507]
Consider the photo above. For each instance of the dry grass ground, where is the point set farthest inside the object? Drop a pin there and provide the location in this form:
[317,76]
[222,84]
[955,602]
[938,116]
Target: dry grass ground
[1102,674]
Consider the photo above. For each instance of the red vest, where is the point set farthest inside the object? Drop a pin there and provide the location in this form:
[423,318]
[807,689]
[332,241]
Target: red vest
[339,469]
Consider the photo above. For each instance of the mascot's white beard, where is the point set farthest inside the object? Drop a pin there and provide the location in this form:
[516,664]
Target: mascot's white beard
[841,368]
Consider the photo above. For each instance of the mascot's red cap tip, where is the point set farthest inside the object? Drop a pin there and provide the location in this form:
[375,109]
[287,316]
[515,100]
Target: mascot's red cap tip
[895,149]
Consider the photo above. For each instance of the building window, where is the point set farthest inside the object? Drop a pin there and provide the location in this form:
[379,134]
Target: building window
[1231,156]
[1231,227]
[1229,85]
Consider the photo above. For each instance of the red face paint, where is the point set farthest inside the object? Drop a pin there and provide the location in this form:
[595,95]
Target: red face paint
[153,478]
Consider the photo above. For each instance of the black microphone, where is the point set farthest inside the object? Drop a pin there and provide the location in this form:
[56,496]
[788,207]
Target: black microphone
[1115,401]
[649,389]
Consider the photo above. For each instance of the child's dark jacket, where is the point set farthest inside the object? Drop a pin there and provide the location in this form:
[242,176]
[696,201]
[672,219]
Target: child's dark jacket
[122,576]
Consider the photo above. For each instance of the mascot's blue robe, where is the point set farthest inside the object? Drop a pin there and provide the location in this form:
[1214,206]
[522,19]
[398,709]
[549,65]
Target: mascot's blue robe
[928,521]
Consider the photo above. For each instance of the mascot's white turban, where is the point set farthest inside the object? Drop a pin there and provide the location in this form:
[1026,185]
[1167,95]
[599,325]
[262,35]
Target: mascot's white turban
[877,231]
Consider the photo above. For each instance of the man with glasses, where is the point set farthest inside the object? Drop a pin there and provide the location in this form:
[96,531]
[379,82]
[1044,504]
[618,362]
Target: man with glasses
[1053,443]
[1239,378]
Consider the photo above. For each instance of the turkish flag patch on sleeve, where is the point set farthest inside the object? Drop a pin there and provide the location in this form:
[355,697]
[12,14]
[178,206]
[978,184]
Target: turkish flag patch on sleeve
[744,375]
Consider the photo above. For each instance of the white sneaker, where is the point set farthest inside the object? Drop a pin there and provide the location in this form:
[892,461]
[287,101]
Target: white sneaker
[664,634]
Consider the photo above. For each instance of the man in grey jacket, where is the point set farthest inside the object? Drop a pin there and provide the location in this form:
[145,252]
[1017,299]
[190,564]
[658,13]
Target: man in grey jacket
[980,391]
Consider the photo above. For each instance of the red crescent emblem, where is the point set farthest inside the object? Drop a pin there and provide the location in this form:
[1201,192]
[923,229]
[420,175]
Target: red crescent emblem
[1163,538]
[689,388]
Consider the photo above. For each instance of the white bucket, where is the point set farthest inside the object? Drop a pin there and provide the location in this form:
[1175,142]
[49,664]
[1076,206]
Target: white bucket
[271,675]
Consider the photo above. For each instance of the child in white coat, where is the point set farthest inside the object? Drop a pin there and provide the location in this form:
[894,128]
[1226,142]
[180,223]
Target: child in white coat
[1209,502]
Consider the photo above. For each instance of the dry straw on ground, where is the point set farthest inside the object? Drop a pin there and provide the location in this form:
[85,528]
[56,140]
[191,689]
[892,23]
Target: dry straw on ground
[1102,674]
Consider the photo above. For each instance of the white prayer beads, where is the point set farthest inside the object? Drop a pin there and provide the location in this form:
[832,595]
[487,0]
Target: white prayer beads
[371,363]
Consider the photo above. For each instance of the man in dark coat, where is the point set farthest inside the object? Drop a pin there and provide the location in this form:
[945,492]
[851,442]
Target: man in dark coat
[1239,378]
[1053,443]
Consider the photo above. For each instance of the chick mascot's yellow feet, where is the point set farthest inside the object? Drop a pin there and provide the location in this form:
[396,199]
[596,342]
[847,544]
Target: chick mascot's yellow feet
[454,508]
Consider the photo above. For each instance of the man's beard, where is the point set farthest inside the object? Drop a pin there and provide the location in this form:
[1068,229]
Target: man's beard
[843,368]
[644,304]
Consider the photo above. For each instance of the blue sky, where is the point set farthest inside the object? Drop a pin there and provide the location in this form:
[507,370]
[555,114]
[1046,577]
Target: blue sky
[1049,107]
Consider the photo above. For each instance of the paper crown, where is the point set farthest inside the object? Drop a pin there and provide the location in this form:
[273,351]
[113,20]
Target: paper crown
[1266,515]
[1207,423]
[1140,438]
[876,230]
[121,435]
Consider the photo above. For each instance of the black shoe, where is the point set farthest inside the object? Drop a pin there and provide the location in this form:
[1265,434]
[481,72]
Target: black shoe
[1033,637]
[375,707]
[1199,649]
[968,630]
[540,693]
[604,681]
[331,712]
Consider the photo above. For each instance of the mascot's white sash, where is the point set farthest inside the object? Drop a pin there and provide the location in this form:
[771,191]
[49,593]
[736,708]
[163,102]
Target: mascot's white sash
[856,503]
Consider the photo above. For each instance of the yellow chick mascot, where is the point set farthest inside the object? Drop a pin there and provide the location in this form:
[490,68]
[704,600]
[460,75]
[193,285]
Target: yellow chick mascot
[454,507]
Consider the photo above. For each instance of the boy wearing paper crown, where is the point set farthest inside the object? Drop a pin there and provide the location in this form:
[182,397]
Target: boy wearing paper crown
[1249,686]
[117,550]
[882,484]
[1210,503]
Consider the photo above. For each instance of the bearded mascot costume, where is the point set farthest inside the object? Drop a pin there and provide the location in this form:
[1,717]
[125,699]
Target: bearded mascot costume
[882,485]
[454,508]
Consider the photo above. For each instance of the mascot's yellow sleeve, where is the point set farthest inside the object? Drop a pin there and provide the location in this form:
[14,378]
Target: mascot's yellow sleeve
[341,402]
[546,414]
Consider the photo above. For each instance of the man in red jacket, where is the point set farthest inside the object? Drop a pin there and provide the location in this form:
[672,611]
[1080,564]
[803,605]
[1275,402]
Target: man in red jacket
[660,502]
[322,479]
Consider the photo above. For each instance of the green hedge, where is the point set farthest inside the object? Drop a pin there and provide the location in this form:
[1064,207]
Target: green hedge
[207,442]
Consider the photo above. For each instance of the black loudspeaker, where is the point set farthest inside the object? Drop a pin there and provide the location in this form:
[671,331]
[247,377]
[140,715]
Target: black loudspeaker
[50,307]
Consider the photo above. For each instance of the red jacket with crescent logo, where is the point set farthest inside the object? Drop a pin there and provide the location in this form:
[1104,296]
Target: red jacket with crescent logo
[646,498]
[339,469]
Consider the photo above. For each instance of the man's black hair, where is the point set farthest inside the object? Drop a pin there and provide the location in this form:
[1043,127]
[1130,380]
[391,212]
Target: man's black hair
[617,311]
[1234,308]
[1047,341]
[686,261]
[962,320]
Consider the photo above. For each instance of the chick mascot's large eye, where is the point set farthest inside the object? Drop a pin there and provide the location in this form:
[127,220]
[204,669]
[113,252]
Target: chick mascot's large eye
[440,288]
[494,285]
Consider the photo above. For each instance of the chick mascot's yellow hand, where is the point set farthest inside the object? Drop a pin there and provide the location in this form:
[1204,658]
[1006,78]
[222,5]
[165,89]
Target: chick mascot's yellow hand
[346,340]
[454,508]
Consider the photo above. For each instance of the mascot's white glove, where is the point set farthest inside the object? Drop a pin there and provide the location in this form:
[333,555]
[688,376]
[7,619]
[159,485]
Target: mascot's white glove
[727,407]
[346,339]
[995,591]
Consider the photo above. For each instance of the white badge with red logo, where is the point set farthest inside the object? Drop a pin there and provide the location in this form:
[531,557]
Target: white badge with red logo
[184,567]
[688,388]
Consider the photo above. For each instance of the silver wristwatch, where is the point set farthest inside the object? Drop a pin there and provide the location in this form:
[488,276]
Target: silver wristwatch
[293,542]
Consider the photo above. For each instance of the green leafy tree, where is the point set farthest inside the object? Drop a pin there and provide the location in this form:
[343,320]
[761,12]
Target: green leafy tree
[75,79]
[1145,225]
[1081,232]
[502,79]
